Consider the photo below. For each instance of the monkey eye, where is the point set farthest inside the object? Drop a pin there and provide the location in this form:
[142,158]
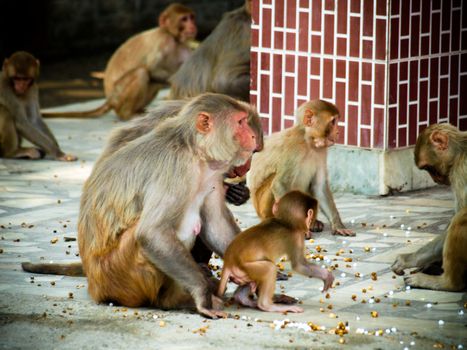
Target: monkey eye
[21,78]
[187,17]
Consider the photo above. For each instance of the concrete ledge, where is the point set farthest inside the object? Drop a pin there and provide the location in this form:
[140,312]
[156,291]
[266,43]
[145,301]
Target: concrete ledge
[374,172]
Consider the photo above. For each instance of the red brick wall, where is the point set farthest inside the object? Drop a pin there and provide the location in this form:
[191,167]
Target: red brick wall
[336,50]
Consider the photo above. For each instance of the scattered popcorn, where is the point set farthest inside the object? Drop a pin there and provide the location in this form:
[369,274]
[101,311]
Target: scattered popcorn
[374,314]
[441,322]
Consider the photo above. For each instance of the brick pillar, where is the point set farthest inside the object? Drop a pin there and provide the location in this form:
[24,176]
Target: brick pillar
[391,67]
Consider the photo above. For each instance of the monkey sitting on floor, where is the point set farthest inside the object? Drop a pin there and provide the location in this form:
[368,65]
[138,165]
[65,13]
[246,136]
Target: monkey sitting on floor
[441,150]
[296,159]
[250,259]
[19,112]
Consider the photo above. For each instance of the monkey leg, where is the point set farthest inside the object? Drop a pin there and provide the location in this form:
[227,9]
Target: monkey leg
[263,198]
[264,273]
[454,260]
[243,295]
[124,275]
[10,141]
[130,93]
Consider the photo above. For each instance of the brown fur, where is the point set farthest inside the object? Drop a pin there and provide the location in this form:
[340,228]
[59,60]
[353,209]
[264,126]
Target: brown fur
[295,159]
[441,150]
[250,258]
[222,61]
[147,199]
[19,111]
[143,64]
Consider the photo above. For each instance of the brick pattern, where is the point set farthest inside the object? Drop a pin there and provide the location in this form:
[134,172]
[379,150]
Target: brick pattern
[427,67]
[336,50]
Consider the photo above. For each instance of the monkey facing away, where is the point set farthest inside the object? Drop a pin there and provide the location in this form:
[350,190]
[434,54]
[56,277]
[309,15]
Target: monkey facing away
[144,204]
[143,64]
[295,159]
[441,150]
[222,61]
[20,116]
[250,259]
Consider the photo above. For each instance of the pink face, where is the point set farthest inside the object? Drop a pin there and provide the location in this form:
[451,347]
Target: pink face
[187,26]
[243,133]
[21,85]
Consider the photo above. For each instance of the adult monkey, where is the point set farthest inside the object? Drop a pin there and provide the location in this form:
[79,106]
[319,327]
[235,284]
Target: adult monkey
[295,159]
[441,150]
[143,64]
[19,111]
[222,61]
[144,204]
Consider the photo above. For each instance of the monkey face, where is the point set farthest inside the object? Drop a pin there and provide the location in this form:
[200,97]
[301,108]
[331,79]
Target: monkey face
[187,27]
[21,85]
[436,175]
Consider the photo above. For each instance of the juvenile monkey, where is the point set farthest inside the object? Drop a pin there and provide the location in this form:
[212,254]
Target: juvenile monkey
[441,150]
[295,159]
[20,116]
[250,259]
[143,64]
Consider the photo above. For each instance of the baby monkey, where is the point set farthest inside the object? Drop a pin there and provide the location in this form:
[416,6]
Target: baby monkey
[250,259]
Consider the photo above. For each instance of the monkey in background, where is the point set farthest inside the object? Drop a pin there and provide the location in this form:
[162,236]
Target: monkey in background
[143,64]
[441,150]
[20,116]
[250,259]
[221,63]
[295,159]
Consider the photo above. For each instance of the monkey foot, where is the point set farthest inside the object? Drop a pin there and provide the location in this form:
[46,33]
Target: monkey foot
[280,308]
[318,226]
[284,299]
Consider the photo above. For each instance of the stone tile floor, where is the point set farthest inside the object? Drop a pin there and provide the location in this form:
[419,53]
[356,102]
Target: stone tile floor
[39,202]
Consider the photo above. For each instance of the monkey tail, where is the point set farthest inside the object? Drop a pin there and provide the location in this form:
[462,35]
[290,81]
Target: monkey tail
[73,269]
[94,113]
[223,282]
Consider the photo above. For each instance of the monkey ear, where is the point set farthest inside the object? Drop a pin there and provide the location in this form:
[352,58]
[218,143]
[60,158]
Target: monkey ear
[204,123]
[163,18]
[275,208]
[439,140]
[309,217]
[308,119]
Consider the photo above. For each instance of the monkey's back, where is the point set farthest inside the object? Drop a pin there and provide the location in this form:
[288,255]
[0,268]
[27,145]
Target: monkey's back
[131,54]
[269,240]
[274,157]
[196,75]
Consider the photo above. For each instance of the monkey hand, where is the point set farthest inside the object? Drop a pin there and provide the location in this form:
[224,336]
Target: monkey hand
[327,278]
[400,264]
[237,194]
[66,158]
[318,226]
[213,312]
[342,231]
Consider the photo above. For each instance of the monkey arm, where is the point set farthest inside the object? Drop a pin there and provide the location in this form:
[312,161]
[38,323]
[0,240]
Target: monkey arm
[426,255]
[219,227]
[282,181]
[311,270]
[234,80]
[320,188]
[33,133]
[165,250]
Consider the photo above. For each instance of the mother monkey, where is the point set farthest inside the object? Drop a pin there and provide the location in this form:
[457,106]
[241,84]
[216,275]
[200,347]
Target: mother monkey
[145,203]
